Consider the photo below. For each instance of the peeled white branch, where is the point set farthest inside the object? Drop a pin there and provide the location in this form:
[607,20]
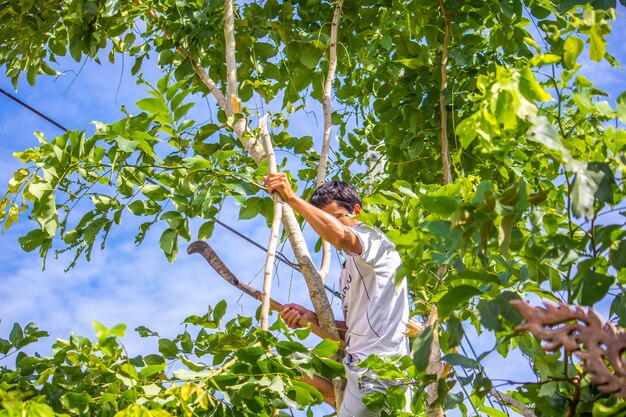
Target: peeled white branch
[328,123]
[231,63]
[274,230]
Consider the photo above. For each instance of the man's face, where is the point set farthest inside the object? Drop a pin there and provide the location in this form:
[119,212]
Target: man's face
[341,214]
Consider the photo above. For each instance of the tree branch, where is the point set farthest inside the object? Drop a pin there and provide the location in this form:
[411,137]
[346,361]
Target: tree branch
[274,230]
[328,124]
[435,367]
[231,62]
[434,364]
[443,130]
[508,400]
[328,85]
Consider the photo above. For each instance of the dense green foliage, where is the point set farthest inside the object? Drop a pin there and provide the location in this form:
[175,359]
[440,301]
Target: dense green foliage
[538,157]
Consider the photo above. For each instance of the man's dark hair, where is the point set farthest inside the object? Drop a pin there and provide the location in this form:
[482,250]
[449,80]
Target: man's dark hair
[340,192]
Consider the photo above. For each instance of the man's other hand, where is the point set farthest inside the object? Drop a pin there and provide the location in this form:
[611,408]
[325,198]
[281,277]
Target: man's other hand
[279,182]
[292,313]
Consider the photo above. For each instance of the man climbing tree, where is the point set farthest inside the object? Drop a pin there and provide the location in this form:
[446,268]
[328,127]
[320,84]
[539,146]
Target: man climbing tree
[374,307]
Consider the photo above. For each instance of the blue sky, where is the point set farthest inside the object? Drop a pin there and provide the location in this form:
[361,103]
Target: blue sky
[136,285]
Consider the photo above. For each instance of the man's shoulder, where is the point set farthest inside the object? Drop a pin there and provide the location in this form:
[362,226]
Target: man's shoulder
[372,231]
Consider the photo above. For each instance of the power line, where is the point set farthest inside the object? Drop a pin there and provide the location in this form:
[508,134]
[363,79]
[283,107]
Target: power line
[37,112]
[281,257]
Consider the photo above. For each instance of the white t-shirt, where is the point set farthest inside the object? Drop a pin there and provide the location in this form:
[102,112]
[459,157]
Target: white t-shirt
[376,311]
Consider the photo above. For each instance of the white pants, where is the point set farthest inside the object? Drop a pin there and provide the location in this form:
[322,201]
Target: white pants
[360,382]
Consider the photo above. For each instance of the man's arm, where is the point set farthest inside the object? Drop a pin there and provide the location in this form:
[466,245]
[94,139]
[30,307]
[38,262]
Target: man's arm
[328,227]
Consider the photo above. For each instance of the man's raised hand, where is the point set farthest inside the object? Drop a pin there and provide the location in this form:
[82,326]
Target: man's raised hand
[279,182]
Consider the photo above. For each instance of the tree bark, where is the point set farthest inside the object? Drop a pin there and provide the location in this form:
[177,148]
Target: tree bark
[435,366]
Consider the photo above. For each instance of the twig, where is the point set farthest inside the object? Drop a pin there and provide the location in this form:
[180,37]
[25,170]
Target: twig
[274,230]
[508,400]
[445,151]
[328,85]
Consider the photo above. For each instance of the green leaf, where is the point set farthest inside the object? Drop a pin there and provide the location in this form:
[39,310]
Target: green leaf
[421,348]
[597,45]
[530,88]
[455,331]
[592,287]
[111,7]
[303,144]
[39,188]
[440,204]
[455,299]
[573,47]
[617,255]
[156,106]
[456,359]
[76,402]
[250,354]
[16,334]
[607,408]
[219,311]
[621,107]
[618,307]
[287,347]
[328,368]
[466,131]
[206,230]
[155,192]
[137,207]
[583,192]
[374,401]
[326,348]
[5,346]
[169,244]
[251,208]
[310,56]
[196,367]
[168,348]
[38,410]
[33,240]
[150,370]
[544,133]
[303,394]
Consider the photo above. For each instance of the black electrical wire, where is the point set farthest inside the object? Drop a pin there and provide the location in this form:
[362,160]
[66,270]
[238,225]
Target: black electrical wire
[279,256]
[38,113]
